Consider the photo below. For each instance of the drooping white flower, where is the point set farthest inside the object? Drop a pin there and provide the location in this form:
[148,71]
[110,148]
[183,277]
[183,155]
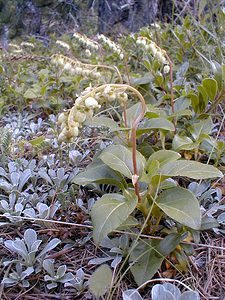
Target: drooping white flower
[166,69]
[91,102]
[63,44]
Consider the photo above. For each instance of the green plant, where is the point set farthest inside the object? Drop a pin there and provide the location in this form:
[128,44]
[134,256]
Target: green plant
[144,181]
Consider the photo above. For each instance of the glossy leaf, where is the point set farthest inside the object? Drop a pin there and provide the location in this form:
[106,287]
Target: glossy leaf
[163,157]
[119,158]
[210,85]
[157,123]
[109,212]
[181,205]
[191,169]
[98,172]
[103,122]
[145,261]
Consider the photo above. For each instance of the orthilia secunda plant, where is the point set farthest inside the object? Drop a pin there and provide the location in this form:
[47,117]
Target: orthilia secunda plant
[76,67]
[111,45]
[91,100]
[84,41]
[162,57]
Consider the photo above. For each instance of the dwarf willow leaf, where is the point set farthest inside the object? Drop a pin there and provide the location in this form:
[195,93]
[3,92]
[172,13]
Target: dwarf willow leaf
[181,205]
[109,212]
[100,280]
[189,168]
[119,158]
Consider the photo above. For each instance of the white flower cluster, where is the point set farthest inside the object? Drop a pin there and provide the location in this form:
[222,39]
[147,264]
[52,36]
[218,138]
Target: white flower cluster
[27,44]
[86,42]
[113,46]
[71,121]
[84,107]
[156,51]
[63,44]
[110,94]
[75,67]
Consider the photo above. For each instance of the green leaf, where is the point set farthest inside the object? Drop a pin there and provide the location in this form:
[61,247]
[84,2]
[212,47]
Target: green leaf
[100,280]
[163,157]
[202,127]
[209,223]
[194,102]
[98,172]
[128,223]
[132,113]
[103,121]
[37,141]
[119,158]
[183,143]
[181,113]
[211,87]
[203,98]
[110,212]
[145,260]
[31,94]
[157,123]
[181,205]
[191,169]
[142,80]
[217,70]
[169,243]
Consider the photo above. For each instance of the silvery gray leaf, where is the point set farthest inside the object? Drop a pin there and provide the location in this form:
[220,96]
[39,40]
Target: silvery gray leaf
[51,285]
[30,236]
[160,293]
[100,260]
[131,294]
[51,245]
[61,271]
[190,295]
[117,260]
[173,290]
[66,278]
[48,265]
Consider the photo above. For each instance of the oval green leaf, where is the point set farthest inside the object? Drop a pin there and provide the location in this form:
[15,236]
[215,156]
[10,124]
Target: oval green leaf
[145,261]
[163,157]
[181,205]
[211,87]
[191,169]
[119,158]
[110,212]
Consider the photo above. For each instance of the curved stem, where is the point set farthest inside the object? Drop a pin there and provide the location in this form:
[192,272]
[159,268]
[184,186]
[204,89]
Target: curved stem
[134,126]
